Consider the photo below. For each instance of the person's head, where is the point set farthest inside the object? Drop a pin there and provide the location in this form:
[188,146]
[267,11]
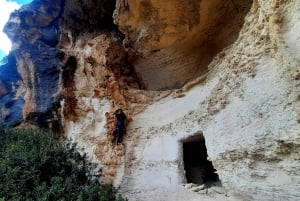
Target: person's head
[119,111]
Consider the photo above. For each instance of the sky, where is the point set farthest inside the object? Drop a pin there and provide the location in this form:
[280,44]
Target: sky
[6,7]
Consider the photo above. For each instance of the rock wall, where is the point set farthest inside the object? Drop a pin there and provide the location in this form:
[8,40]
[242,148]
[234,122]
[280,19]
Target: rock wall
[246,109]
[11,92]
[176,40]
[100,80]
[225,71]
[34,31]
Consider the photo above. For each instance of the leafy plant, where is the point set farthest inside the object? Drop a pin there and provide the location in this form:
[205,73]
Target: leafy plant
[37,165]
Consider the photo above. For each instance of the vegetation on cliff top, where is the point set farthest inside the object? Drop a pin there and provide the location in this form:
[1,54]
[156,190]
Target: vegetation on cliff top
[36,165]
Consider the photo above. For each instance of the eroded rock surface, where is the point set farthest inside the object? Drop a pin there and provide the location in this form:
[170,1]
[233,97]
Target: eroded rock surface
[178,39]
[34,31]
[227,71]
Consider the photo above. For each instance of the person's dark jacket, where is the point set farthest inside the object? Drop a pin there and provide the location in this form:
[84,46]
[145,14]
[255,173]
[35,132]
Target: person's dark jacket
[121,117]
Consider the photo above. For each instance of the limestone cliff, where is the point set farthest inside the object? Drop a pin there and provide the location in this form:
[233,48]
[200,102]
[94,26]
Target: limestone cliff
[35,60]
[220,75]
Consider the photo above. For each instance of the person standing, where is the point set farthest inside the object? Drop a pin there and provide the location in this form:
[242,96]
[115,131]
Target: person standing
[121,117]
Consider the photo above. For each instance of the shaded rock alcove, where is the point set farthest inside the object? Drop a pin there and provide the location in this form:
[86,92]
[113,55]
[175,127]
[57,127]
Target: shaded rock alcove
[198,169]
[176,40]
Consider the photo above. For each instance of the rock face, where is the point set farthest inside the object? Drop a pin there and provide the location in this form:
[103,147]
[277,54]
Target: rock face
[177,39]
[221,72]
[11,98]
[34,31]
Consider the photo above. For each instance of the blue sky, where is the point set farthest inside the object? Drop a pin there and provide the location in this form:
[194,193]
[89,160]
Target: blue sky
[2,54]
[6,7]
[21,2]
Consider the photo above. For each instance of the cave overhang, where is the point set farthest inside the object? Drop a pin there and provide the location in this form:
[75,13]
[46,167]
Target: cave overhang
[177,40]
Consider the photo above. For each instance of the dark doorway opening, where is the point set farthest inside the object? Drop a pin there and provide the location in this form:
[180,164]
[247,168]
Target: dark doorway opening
[197,168]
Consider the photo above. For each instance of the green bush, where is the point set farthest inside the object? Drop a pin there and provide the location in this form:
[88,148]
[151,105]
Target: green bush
[36,165]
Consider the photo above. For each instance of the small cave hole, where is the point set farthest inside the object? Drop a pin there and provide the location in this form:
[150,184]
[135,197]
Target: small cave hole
[198,169]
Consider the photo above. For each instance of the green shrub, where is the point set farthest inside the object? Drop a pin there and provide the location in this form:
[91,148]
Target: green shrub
[36,165]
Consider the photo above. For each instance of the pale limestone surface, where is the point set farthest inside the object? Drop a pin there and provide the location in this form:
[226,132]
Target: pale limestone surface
[246,107]
[253,139]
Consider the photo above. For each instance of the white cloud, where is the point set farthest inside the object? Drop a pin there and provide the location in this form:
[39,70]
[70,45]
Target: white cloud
[5,9]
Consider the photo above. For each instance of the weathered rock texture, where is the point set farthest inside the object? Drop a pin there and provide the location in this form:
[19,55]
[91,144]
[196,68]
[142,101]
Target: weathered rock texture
[11,93]
[178,39]
[226,71]
[34,31]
